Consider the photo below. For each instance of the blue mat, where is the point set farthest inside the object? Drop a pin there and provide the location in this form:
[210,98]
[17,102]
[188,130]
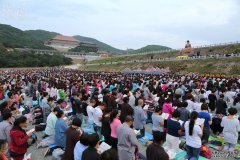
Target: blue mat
[146,138]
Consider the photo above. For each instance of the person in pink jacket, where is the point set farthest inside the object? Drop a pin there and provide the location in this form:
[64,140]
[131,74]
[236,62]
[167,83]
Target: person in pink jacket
[167,108]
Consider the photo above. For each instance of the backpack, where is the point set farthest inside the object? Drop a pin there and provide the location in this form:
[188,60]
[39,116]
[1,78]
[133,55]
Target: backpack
[206,152]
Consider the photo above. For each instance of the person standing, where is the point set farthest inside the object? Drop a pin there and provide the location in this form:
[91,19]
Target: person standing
[97,118]
[221,105]
[127,141]
[90,112]
[114,124]
[126,109]
[106,129]
[140,118]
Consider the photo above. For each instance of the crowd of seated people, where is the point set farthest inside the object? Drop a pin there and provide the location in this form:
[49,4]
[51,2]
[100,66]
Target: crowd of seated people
[80,111]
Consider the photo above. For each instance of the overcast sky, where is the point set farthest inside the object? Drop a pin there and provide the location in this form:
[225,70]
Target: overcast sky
[130,23]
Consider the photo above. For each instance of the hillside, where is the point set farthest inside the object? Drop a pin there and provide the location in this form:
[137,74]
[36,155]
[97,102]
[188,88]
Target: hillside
[230,66]
[149,48]
[41,35]
[11,37]
[102,46]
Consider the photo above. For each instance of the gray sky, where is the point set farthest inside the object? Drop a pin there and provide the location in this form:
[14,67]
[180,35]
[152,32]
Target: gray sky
[130,23]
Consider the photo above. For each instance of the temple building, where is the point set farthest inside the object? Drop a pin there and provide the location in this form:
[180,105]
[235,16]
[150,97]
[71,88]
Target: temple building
[68,43]
[60,41]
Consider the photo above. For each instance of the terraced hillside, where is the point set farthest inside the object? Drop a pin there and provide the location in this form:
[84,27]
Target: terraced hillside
[229,66]
[225,49]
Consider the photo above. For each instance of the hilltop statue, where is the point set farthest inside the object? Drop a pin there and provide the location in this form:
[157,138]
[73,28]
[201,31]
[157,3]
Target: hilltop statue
[188,48]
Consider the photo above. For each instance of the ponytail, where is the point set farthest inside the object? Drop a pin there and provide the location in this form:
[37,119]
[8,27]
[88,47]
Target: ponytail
[193,117]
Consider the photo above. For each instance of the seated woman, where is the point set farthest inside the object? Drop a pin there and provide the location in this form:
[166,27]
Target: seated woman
[193,133]
[60,130]
[19,138]
[174,132]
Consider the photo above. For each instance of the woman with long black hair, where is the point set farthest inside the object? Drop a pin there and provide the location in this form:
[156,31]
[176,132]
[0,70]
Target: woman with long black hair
[19,138]
[193,133]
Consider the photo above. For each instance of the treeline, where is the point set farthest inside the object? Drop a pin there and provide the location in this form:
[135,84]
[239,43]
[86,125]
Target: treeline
[11,37]
[26,59]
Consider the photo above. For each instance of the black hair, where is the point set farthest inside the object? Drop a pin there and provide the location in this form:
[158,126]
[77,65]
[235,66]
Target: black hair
[158,109]
[202,100]
[232,111]
[110,154]
[59,114]
[84,139]
[125,99]
[113,115]
[59,101]
[159,137]
[56,109]
[184,104]
[93,139]
[77,122]
[45,94]
[204,106]
[9,94]
[193,117]
[19,121]
[168,100]
[50,99]
[176,114]
[6,115]
[103,104]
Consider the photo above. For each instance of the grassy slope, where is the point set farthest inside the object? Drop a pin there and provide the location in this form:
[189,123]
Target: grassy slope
[229,66]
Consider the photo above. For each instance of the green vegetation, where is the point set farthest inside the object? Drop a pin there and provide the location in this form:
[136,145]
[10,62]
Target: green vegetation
[150,48]
[84,49]
[229,66]
[41,35]
[11,37]
[136,57]
[27,59]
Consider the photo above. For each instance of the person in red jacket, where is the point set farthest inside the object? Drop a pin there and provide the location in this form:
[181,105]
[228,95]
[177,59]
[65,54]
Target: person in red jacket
[19,138]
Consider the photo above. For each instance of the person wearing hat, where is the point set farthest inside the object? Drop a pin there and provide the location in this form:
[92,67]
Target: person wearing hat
[72,137]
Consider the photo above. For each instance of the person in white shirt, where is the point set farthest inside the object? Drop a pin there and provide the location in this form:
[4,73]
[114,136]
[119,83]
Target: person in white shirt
[90,112]
[193,134]
[190,106]
[97,118]
[198,105]
[51,121]
[80,146]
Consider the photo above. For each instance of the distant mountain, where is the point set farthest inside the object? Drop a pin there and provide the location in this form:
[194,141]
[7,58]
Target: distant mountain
[101,46]
[42,35]
[149,48]
[11,37]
